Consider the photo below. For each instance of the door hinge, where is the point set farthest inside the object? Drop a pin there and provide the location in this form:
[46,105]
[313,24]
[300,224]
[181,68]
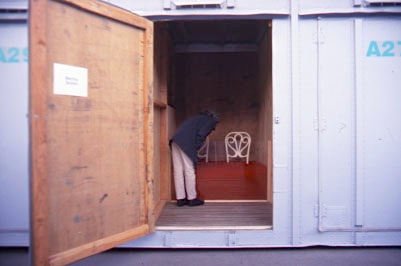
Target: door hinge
[320,124]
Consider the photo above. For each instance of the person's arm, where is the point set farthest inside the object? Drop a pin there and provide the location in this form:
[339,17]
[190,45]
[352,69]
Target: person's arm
[203,132]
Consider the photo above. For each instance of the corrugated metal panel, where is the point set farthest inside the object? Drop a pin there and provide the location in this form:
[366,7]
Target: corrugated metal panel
[185,4]
[157,8]
[14,4]
[13,10]
[382,2]
[316,7]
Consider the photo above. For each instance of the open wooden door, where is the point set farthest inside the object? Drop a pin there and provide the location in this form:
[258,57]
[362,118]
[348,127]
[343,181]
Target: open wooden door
[91,125]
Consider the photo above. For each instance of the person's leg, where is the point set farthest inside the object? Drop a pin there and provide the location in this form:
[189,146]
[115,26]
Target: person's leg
[178,171]
[190,178]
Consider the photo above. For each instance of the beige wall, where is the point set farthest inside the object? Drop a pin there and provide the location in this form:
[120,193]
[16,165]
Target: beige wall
[224,82]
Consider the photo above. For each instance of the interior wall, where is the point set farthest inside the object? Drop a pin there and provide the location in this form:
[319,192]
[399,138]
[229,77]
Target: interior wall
[265,92]
[266,106]
[225,82]
[162,165]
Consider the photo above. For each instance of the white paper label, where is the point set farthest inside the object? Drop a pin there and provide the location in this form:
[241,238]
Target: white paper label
[70,80]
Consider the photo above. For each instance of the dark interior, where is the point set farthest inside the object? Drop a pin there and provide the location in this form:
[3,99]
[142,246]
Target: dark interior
[224,65]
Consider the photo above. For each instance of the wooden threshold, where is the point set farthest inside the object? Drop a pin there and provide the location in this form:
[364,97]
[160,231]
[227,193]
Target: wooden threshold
[217,215]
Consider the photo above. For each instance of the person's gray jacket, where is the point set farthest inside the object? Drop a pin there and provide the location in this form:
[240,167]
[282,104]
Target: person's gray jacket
[191,135]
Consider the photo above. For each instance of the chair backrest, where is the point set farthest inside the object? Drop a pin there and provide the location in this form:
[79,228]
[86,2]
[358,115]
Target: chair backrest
[238,144]
[203,152]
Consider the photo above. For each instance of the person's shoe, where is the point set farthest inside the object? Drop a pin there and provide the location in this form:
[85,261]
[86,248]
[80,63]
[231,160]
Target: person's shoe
[182,202]
[195,202]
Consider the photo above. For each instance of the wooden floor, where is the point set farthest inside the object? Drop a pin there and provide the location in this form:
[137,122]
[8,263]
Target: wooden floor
[216,216]
[231,181]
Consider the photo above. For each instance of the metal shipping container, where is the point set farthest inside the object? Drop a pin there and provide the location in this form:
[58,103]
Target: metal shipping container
[315,82]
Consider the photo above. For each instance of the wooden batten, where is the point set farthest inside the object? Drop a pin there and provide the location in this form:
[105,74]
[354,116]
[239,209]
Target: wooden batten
[38,148]
[148,122]
[86,250]
[103,9]
[158,208]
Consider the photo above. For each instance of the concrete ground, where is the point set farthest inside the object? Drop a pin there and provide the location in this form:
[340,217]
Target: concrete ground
[368,256]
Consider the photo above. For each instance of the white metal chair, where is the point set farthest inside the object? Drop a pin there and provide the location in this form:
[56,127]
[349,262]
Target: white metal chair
[238,144]
[203,152]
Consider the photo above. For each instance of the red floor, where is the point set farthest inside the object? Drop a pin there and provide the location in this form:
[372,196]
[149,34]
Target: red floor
[232,181]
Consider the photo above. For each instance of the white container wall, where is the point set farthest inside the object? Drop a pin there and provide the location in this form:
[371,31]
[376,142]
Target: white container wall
[378,124]
[350,166]
[14,173]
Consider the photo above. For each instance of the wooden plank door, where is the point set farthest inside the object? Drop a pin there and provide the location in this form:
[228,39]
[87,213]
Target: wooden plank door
[91,138]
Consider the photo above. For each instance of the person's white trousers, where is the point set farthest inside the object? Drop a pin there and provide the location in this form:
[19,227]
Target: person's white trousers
[184,174]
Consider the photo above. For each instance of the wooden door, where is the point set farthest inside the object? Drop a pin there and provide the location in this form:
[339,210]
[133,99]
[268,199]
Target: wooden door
[91,138]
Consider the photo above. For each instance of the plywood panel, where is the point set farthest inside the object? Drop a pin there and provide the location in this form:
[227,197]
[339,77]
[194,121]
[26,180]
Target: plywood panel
[89,154]
[89,135]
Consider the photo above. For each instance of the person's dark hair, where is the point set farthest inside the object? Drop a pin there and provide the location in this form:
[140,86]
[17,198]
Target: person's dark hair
[210,113]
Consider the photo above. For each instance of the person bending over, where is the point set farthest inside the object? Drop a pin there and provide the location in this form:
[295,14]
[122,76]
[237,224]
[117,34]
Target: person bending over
[185,143]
